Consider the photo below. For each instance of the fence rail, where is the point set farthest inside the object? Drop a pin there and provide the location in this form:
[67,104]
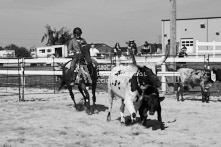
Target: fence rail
[214,50]
[22,72]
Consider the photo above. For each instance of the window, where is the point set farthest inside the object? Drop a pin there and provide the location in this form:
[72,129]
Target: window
[42,51]
[202,26]
[217,33]
[188,43]
[49,50]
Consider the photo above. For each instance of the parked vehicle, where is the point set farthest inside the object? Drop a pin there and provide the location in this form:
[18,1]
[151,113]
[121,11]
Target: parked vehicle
[49,51]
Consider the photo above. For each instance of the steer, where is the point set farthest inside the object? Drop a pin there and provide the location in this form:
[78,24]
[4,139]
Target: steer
[191,77]
[128,83]
[151,102]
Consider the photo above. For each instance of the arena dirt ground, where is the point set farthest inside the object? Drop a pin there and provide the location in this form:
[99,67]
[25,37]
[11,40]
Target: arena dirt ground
[47,119]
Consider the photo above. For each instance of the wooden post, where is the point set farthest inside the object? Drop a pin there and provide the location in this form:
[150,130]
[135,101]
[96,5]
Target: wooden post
[19,79]
[163,78]
[54,74]
[173,35]
[23,79]
[173,28]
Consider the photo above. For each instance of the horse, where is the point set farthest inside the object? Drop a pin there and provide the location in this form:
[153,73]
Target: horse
[83,79]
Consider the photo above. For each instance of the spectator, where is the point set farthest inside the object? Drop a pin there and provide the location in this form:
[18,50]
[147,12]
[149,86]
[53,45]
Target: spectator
[182,54]
[132,50]
[167,50]
[117,50]
[117,53]
[93,51]
[132,46]
[146,48]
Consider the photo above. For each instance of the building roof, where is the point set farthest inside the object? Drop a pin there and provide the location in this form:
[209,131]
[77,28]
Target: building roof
[101,47]
[193,18]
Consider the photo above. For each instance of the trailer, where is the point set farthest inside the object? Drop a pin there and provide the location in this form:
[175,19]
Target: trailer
[49,51]
[7,54]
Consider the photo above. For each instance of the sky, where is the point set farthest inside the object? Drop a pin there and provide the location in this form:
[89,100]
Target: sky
[22,22]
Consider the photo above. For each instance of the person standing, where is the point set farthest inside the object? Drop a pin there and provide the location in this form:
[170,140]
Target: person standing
[117,53]
[132,50]
[93,51]
[182,54]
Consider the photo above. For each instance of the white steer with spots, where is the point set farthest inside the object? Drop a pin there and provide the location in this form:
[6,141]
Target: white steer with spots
[128,83]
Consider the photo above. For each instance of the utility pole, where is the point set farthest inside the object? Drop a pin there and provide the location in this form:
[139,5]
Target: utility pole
[173,28]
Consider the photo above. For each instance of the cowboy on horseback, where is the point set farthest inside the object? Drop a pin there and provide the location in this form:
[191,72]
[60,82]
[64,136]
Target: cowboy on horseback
[79,51]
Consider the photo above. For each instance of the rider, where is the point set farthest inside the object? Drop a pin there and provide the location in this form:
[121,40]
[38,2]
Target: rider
[79,50]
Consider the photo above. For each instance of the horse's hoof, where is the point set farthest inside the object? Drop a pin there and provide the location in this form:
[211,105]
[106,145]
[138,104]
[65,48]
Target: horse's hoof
[89,112]
[144,123]
[96,111]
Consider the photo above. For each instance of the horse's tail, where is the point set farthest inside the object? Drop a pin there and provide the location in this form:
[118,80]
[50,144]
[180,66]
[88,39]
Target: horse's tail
[61,66]
[62,83]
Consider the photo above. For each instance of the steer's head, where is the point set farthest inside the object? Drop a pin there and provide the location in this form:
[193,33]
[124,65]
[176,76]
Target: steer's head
[147,77]
[152,99]
[208,77]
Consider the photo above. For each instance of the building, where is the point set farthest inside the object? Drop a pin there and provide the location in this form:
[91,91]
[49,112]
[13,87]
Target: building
[206,29]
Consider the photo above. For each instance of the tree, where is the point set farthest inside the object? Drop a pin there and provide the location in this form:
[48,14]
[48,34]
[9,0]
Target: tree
[55,37]
[19,51]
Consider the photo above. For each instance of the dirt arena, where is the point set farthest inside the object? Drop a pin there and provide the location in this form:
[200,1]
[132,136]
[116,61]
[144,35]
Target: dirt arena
[47,119]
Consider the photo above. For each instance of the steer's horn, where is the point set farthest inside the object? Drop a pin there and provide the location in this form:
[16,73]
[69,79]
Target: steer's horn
[162,60]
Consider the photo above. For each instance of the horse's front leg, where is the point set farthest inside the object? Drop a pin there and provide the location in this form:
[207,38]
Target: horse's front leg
[87,96]
[72,95]
[82,93]
[94,85]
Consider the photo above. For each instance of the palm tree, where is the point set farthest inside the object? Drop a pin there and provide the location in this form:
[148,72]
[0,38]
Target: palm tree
[62,36]
[49,35]
[56,37]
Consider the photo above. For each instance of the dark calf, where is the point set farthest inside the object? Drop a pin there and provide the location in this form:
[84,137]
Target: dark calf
[206,94]
[151,102]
